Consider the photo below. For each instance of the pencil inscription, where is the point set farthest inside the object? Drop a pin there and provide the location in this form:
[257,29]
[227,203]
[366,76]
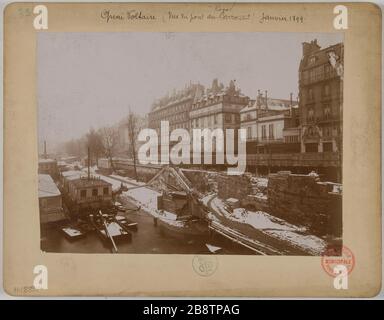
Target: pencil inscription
[109,15]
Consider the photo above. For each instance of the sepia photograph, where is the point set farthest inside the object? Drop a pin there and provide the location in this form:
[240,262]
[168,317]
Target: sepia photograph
[222,143]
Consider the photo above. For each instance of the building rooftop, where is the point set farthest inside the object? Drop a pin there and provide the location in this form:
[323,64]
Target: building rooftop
[72,174]
[93,182]
[273,104]
[190,91]
[319,54]
[47,188]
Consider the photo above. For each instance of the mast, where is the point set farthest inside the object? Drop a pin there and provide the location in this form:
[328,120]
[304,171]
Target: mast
[89,159]
[45,149]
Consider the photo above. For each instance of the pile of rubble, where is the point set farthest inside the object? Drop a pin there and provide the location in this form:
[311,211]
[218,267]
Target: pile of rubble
[234,186]
[243,191]
[203,181]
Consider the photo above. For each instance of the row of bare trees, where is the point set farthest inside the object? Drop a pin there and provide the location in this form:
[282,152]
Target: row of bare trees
[104,142]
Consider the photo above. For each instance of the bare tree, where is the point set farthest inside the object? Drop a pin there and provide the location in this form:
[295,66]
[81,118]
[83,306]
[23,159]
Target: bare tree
[95,143]
[75,147]
[132,136]
[109,137]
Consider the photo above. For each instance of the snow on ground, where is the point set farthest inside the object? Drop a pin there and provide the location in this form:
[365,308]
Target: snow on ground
[92,169]
[115,180]
[260,182]
[170,218]
[115,183]
[205,200]
[127,180]
[272,226]
[212,217]
[313,244]
[145,196]
[147,199]
[262,220]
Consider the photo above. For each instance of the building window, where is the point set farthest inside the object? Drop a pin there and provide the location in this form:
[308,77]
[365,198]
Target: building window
[310,94]
[311,131]
[311,114]
[215,119]
[228,118]
[83,193]
[105,191]
[263,132]
[311,75]
[327,147]
[327,111]
[249,132]
[311,147]
[327,131]
[327,90]
[270,129]
[94,192]
[327,70]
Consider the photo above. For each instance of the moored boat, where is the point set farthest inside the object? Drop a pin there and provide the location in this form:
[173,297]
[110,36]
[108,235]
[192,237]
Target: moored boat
[108,229]
[126,223]
[72,233]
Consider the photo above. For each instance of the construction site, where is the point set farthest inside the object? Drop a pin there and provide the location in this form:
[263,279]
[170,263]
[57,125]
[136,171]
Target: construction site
[201,211]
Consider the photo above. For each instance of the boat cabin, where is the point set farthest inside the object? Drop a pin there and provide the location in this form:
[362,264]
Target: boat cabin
[89,193]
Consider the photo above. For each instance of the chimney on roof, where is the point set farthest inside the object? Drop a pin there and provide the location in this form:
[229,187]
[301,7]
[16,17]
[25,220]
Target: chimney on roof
[266,99]
[290,98]
[310,47]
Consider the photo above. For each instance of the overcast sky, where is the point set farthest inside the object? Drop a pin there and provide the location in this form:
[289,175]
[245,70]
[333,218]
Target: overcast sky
[91,79]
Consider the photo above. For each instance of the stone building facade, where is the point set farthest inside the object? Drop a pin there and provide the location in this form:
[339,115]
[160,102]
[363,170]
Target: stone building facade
[219,108]
[174,108]
[321,97]
[267,121]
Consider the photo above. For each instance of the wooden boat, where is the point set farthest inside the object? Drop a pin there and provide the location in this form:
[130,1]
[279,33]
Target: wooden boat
[108,229]
[184,228]
[119,206]
[126,223]
[114,230]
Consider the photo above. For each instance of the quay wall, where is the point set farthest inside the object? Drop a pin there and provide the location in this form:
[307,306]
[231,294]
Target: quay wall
[304,200]
[144,172]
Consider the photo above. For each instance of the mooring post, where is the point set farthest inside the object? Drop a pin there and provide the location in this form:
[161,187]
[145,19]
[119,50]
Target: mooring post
[155,221]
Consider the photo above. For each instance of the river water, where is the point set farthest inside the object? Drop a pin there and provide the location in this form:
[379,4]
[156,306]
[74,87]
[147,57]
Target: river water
[147,239]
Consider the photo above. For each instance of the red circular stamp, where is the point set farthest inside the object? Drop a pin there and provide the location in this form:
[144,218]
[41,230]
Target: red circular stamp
[333,257]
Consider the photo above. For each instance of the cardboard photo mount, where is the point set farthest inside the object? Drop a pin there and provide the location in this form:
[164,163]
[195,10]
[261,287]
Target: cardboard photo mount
[175,275]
